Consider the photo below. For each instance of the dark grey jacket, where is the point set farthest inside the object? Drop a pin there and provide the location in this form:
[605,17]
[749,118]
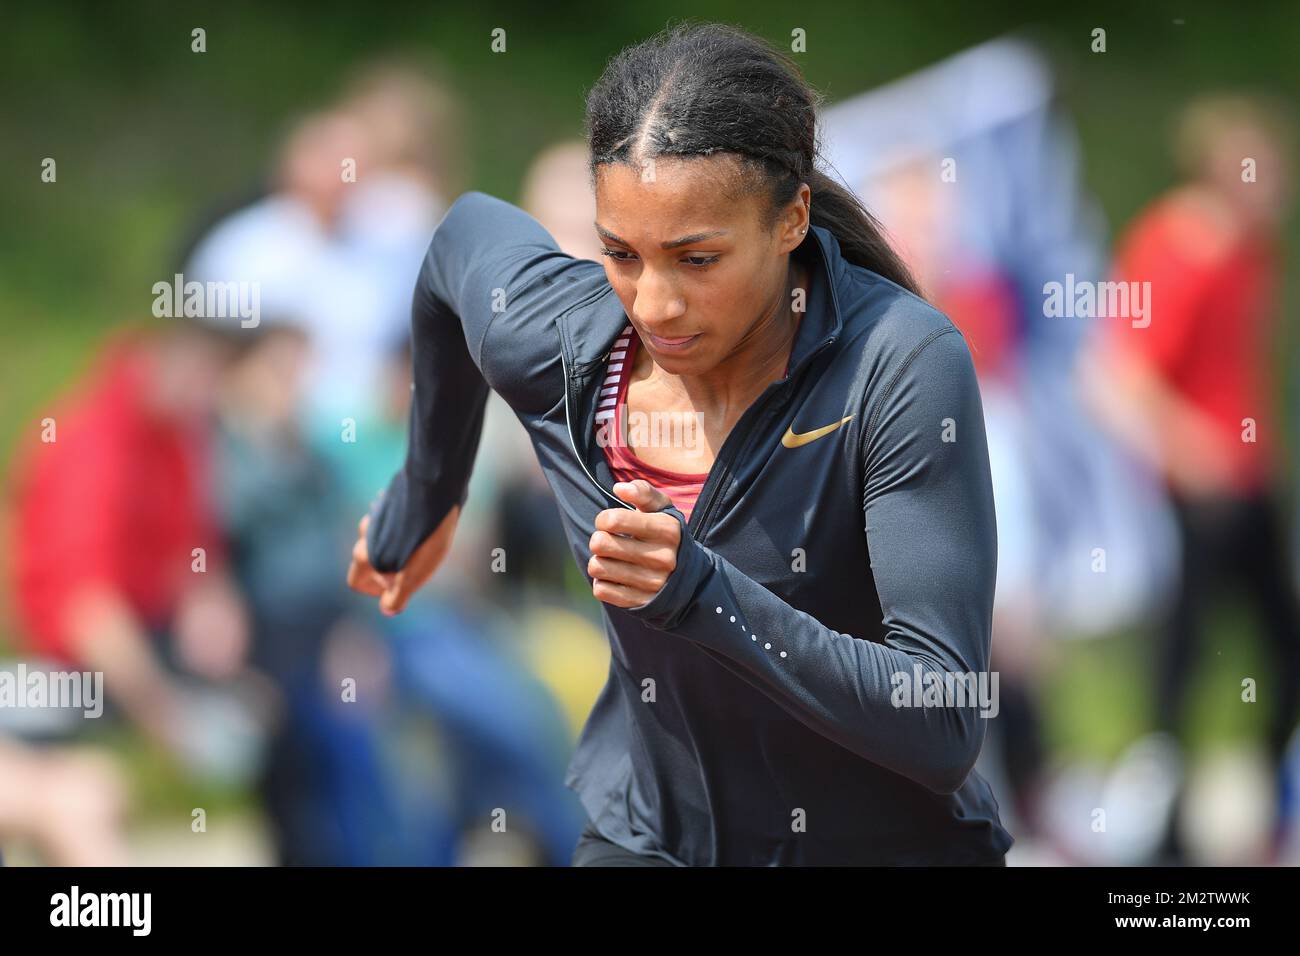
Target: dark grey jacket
[754,709]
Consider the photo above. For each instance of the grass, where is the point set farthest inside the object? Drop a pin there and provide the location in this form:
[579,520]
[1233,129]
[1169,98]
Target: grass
[1100,696]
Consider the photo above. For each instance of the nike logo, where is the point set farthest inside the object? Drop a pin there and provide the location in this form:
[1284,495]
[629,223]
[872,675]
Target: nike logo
[791,440]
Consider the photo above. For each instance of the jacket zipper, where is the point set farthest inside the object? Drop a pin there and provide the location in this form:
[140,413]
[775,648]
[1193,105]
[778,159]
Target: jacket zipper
[698,524]
[568,424]
[722,470]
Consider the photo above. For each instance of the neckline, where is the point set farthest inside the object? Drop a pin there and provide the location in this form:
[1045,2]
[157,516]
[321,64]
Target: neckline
[634,341]
[620,403]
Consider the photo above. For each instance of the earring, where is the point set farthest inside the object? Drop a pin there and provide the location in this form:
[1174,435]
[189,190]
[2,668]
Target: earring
[802,231]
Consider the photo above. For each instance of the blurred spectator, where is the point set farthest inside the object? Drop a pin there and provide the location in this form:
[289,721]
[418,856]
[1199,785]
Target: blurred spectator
[279,510]
[357,192]
[290,243]
[1192,390]
[313,424]
[1004,157]
[115,541]
[414,121]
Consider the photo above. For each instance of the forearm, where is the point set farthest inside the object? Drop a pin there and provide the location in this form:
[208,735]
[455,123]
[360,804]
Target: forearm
[1103,391]
[449,397]
[106,636]
[849,690]
[1148,417]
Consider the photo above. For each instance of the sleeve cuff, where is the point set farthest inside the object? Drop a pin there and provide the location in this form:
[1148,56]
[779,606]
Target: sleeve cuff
[694,564]
[402,516]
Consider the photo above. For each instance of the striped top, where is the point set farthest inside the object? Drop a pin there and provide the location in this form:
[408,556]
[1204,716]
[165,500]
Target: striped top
[682,488]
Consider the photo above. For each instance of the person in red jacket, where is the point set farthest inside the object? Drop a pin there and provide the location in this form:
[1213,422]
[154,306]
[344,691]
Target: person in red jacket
[1190,388]
[113,537]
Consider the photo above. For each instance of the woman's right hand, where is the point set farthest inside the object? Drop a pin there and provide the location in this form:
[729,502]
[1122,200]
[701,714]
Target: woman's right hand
[395,589]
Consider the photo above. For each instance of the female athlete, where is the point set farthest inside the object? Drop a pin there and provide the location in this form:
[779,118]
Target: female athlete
[799,599]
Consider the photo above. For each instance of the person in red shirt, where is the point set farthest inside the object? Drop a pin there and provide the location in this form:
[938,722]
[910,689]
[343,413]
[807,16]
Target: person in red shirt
[113,536]
[1189,386]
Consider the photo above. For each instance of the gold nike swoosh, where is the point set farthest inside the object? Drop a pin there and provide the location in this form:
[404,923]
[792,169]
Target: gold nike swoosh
[791,440]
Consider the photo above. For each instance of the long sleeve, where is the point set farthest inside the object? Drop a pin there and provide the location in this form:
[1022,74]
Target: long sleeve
[931,534]
[479,318]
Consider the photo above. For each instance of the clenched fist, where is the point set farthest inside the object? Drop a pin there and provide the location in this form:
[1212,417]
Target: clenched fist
[633,552]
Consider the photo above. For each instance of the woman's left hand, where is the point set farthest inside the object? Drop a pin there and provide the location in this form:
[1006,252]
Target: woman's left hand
[633,552]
